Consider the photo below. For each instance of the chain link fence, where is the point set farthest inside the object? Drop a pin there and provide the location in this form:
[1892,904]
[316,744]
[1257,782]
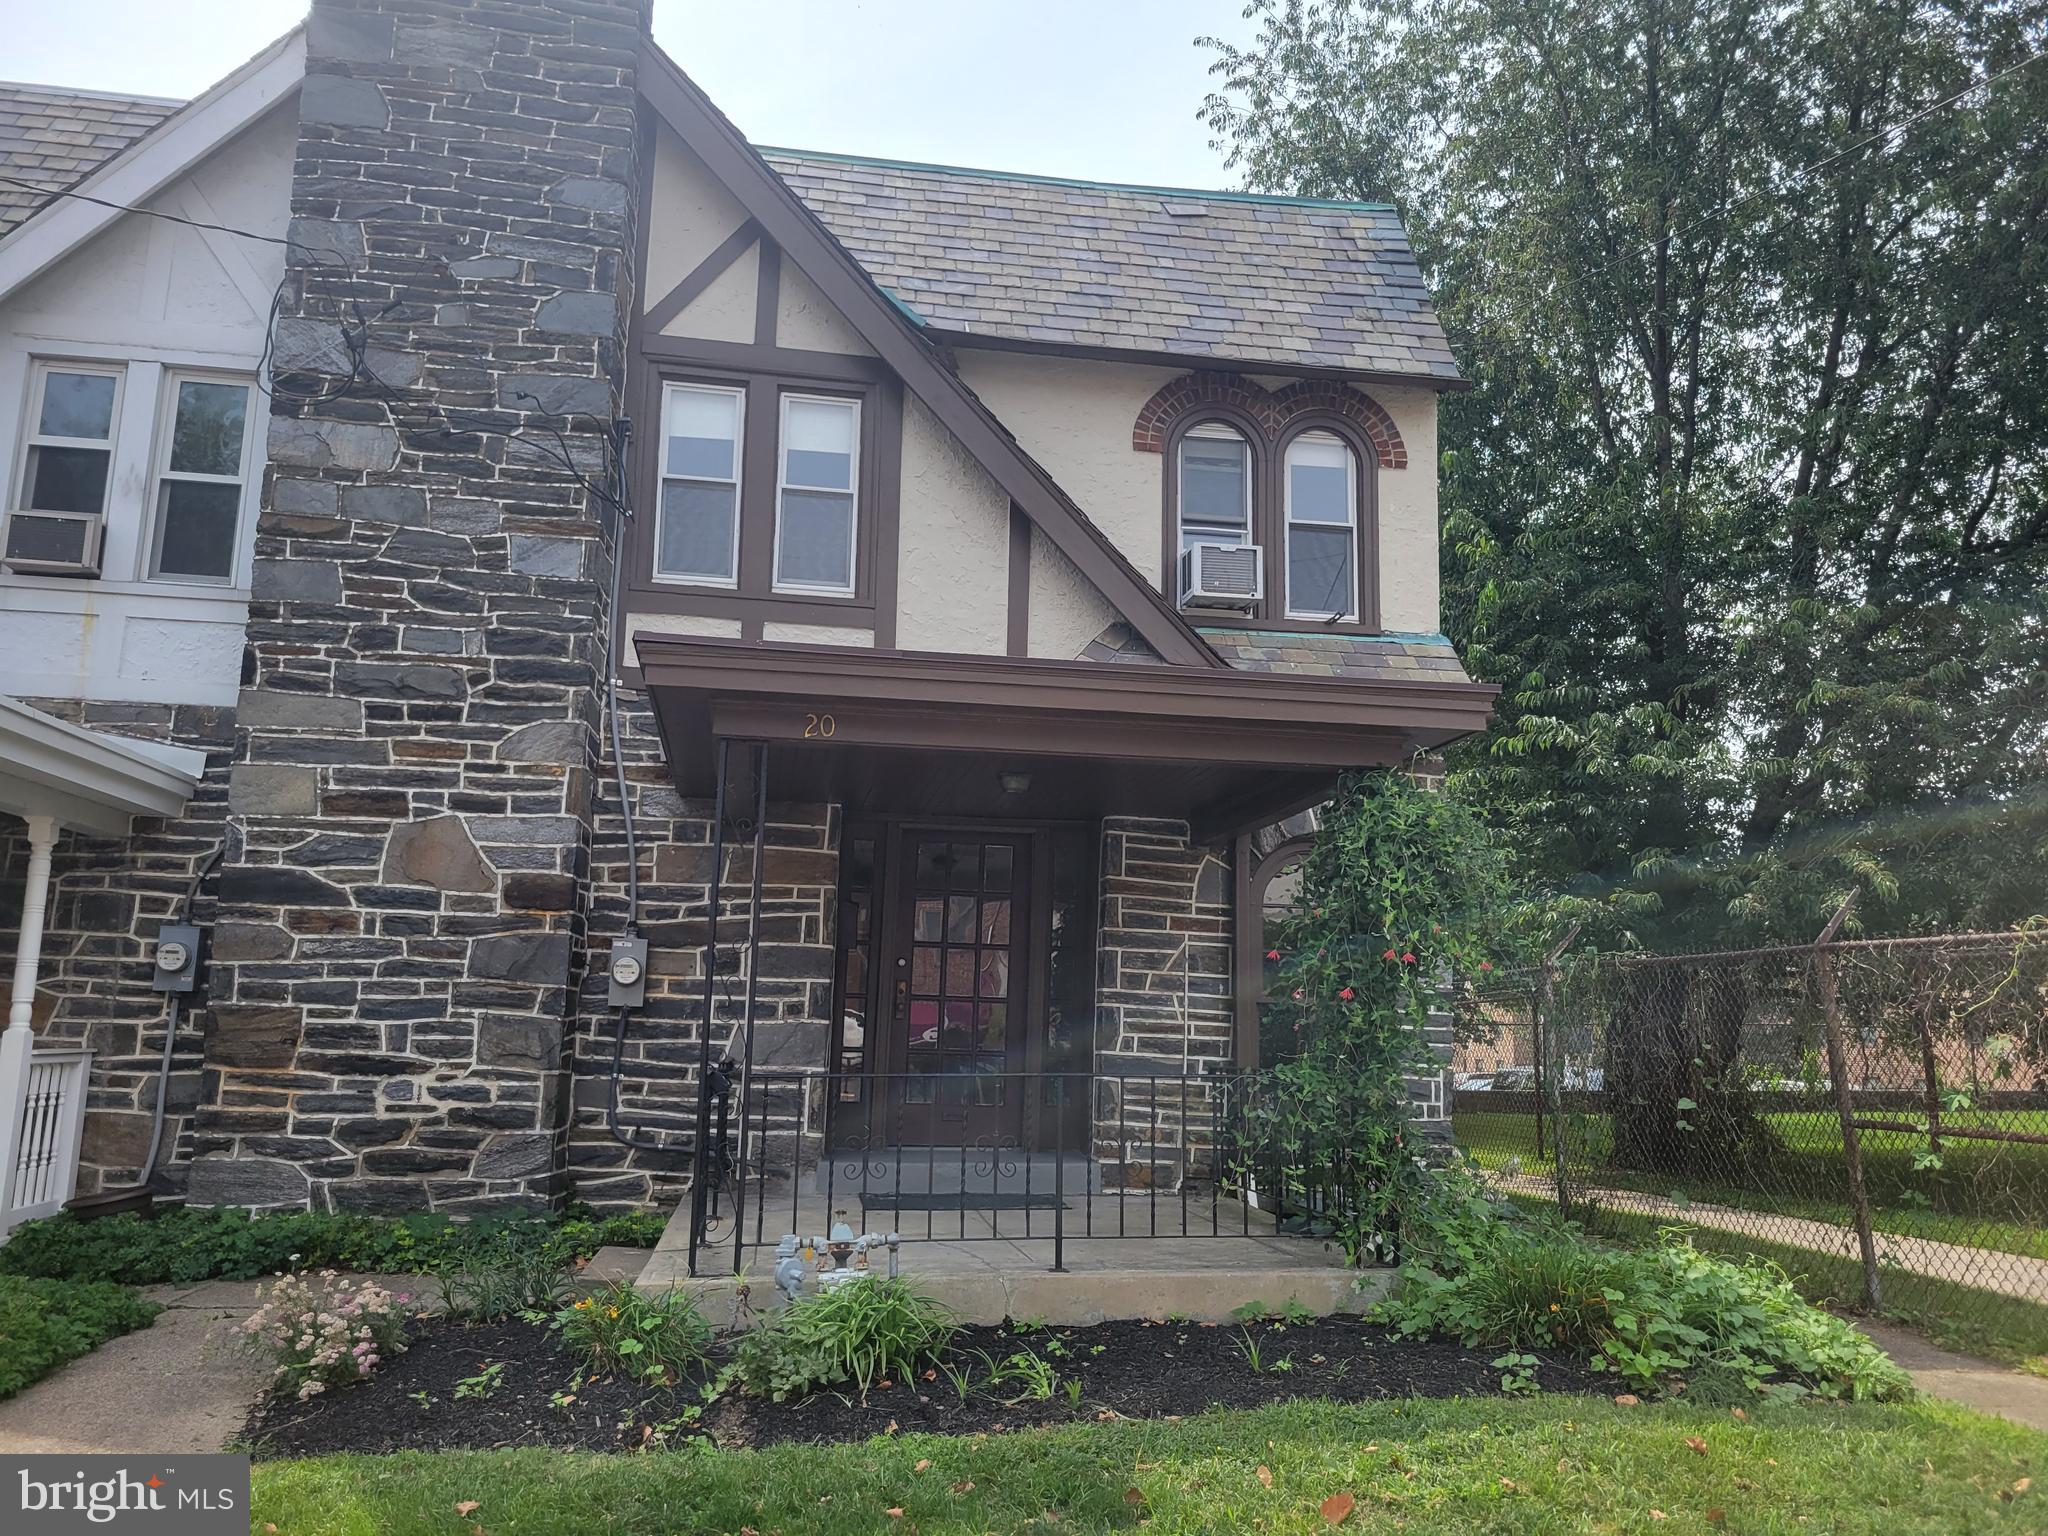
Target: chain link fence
[1871,1115]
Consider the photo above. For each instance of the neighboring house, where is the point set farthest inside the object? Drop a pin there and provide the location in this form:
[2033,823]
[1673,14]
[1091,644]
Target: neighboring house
[1035,551]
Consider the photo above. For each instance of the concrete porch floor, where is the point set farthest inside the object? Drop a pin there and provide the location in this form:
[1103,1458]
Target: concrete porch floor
[997,1272]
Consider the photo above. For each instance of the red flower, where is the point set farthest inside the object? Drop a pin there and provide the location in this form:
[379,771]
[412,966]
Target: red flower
[1388,955]
[1408,959]
[1347,994]
[1272,954]
[1486,965]
[1297,994]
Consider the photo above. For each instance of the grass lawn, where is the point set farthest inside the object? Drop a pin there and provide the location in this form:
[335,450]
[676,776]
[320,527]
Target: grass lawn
[1551,1465]
[1986,1194]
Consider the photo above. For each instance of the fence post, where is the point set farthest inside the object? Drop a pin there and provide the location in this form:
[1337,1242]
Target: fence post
[1845,1103]
[1546,1081]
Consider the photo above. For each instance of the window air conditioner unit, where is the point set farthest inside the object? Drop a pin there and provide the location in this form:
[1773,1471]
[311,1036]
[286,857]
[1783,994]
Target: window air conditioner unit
[53,543]
[1230,576]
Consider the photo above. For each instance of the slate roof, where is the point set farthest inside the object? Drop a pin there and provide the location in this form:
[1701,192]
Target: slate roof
[1218,276]
[1388,658]
[55,137]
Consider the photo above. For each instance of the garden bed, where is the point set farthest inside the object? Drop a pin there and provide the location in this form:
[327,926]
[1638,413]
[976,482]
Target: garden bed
[1135,1370]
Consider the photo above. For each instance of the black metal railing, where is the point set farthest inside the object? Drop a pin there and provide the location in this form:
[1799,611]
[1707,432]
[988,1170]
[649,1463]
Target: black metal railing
[1004,1157]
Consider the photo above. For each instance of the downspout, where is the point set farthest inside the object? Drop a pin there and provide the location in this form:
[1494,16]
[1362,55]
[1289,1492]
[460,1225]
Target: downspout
[17,1043]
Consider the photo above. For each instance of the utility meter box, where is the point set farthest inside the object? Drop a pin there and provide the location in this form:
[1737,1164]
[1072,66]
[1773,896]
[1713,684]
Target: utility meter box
[175,961]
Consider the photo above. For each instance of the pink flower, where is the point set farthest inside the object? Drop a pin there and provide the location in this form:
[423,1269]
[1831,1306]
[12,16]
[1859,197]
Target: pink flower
[1347,994]
[1408,959]
[1272,954]
[1297,994]
[1388,955]
[1486,965]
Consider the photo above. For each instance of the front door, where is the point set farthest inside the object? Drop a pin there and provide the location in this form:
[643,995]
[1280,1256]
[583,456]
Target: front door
[956,949]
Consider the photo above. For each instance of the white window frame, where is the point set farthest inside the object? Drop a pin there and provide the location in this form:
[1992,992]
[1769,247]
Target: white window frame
[1213,431]
[1351,489]
[160,471]
[32,436]
[851,489]
[737,392]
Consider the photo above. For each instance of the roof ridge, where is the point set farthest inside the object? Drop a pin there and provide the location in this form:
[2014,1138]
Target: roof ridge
[1222,194]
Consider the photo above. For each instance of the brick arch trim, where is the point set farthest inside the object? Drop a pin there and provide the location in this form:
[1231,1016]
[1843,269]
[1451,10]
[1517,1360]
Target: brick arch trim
[1272,410]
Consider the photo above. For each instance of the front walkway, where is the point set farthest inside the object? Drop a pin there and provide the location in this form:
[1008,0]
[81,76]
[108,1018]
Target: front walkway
[985,1267]
[1985,1269]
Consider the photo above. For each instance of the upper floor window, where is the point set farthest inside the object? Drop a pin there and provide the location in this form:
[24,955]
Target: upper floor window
[817,506]
[202,473]
[1301,495]
[70,448]
[1321,494]
[162,498]
[698,524]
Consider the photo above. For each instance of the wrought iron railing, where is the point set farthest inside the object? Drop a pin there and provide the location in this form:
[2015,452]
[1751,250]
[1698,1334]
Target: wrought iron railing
[1048,1157]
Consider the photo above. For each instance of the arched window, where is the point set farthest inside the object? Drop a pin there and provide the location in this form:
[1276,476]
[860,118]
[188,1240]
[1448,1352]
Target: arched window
[1320,492]
[1213,473]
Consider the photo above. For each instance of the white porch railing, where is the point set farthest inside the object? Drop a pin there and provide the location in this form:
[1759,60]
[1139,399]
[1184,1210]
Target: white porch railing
[49,1131]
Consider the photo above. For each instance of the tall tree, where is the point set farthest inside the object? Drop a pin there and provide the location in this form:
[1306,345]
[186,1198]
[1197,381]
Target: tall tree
[1747,507]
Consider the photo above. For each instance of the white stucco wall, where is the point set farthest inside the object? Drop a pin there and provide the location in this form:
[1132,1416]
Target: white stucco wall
[1067,611]
[153,296]
[806,321]
[689,215]
[953,565]
[1075,417]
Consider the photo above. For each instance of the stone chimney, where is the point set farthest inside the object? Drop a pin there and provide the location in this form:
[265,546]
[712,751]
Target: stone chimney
[399,944]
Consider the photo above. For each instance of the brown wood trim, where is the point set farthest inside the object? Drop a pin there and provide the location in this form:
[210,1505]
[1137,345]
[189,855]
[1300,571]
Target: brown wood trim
[888,508]
[724,667]
[699,277]
[1019,609]
[842,612]
[1269,516]
[986,342]
[854,293]
[743,356]
[1223,819]
[767,294]
[1244,949]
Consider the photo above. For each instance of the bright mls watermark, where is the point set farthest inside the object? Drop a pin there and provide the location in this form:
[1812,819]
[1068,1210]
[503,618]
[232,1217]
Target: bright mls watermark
[161,1495]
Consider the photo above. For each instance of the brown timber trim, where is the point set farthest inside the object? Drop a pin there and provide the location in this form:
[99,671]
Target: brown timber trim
[1269,515]
[985,342]
[1245,705]
[888,507]
[767,294]
[1019,614]
[882,325]
[1244,949]
[701,276]
[746,357]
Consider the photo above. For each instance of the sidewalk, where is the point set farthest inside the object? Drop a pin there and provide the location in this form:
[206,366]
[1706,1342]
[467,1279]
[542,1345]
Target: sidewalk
[1977,1384]
[1987,1269]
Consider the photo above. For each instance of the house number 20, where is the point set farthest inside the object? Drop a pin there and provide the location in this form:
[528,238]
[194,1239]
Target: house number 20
[819,725]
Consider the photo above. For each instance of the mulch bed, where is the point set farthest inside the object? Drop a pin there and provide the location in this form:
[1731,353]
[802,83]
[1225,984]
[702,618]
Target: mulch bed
[1126,1369]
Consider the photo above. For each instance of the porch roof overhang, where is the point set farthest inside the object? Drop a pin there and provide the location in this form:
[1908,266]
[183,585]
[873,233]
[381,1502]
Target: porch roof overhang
[911,733]
[86,781]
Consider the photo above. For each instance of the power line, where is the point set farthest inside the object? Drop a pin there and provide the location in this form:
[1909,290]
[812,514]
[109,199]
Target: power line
[147,213]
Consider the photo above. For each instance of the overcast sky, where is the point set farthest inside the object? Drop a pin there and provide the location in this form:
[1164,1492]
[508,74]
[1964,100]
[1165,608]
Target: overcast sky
[1106,89]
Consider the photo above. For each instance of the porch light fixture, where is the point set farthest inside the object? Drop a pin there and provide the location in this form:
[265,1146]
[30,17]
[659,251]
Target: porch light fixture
[1013,782]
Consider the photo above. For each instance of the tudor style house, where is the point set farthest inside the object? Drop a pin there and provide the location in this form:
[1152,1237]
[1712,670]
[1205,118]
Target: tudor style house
[559,595]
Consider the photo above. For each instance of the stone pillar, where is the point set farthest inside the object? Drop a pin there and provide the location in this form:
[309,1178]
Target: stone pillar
[400,922]
[1163,998]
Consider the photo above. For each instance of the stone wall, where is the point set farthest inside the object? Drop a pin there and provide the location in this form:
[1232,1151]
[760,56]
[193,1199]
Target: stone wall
[793,1002]
[107,898]
[1163,998]
[400,939]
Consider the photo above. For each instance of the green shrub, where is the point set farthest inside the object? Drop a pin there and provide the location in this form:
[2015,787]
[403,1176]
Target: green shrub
[185,1245]
[44,1323]
[860,1332]
[655,1336]
[1650,1315]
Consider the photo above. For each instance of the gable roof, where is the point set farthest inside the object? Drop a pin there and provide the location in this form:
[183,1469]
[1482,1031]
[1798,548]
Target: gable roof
[881,322]
[52,137]
[1218,277]
[149,163]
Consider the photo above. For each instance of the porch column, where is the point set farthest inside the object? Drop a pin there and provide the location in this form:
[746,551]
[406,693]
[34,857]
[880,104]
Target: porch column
[17,1043]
